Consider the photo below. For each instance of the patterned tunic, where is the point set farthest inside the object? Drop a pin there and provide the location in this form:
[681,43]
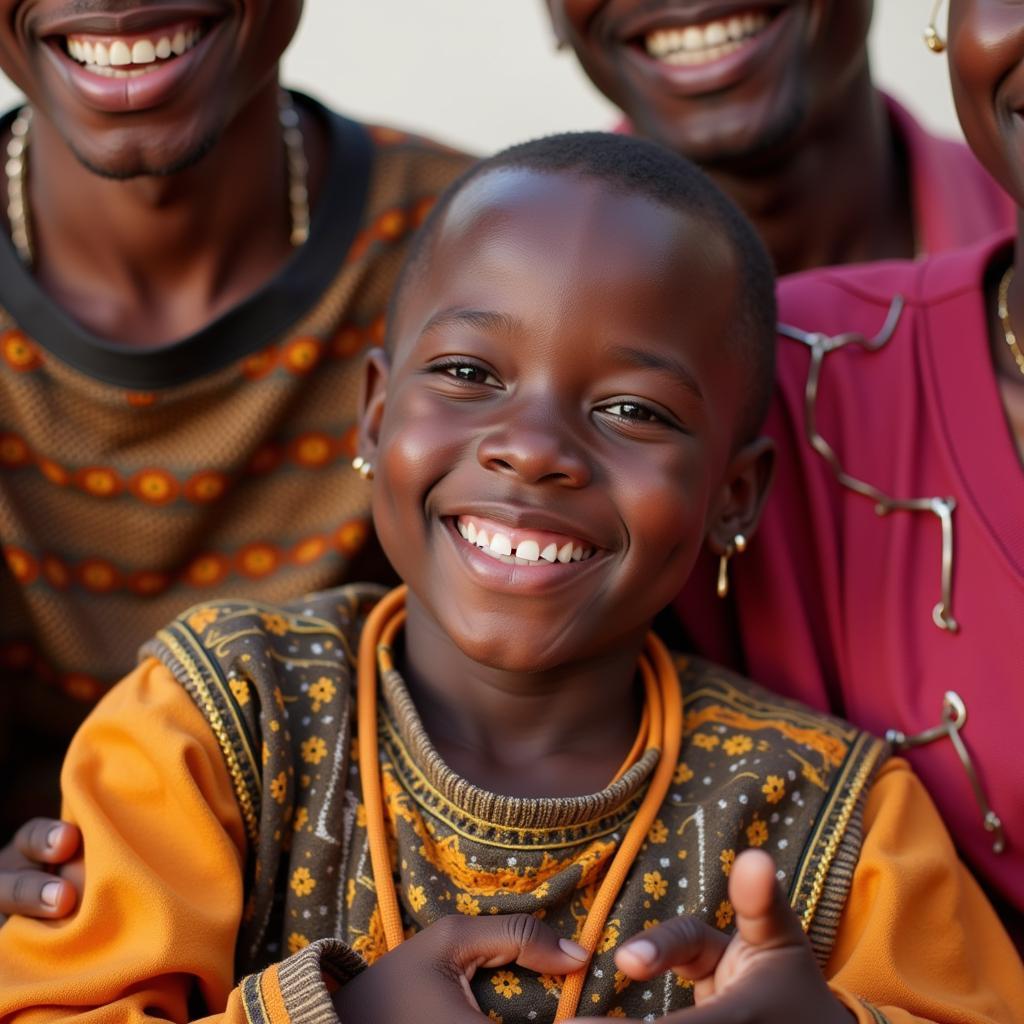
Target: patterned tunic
[754,771]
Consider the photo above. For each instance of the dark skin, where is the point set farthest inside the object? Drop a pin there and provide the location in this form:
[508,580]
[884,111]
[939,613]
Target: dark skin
[136,236]
[986,60]
[794,109]
[162,252]
[540,379]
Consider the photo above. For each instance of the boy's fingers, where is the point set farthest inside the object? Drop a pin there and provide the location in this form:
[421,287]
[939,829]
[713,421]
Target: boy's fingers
[35,894]
[684,944]
[511,938]
[763,916]
[46,841]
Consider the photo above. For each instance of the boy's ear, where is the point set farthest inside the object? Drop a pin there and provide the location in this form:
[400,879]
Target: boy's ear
[372,394]
[741,499]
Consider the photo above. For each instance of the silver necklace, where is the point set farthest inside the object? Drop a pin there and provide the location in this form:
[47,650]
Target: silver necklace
[17,188]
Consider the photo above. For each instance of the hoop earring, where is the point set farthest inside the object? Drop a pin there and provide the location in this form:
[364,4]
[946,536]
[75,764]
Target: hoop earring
[932,39]
[364,467]
[736,546]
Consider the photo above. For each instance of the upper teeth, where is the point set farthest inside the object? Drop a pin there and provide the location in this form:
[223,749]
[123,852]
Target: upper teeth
[118,53]
[704,42]
[527,552]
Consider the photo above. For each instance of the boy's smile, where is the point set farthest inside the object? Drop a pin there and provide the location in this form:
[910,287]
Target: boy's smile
[559,414]
[717,79]
[142,88]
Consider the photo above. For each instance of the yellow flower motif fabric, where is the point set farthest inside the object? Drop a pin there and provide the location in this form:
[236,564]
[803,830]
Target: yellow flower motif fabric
[302,883]
[322,692]
[506,984]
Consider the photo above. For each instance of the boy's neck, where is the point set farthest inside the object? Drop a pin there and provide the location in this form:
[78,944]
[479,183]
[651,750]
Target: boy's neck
[561,732]
[842,195]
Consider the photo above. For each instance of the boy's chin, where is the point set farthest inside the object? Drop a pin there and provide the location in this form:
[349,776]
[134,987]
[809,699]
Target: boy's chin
[511,652]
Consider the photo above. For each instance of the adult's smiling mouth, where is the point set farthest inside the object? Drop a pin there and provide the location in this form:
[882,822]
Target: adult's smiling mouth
[703,46]
[705,41]
[131,60]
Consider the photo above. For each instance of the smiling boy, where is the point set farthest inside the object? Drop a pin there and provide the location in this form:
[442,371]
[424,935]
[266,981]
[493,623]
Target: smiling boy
[774,99]
[567,412]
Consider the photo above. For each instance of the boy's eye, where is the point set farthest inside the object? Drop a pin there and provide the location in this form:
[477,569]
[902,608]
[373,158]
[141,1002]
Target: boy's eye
[633,411]
[468,373]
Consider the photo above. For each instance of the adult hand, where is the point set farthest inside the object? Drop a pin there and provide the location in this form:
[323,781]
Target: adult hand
[26,888]
[766,971]
[427,977]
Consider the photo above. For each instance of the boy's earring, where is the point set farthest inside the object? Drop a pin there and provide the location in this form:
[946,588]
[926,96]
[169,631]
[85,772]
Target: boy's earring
[932,39]
[736,546]
[364,467]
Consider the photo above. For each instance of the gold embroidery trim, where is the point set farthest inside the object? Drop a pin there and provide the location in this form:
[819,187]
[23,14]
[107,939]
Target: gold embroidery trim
[838,830]
[446,808]
[213,716]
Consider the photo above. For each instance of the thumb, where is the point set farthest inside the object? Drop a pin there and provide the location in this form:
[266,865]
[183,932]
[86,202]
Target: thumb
[763,915]
[514,938]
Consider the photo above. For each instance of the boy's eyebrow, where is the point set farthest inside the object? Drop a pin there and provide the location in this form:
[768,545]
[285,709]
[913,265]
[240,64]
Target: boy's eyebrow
[481,319]
[658,361]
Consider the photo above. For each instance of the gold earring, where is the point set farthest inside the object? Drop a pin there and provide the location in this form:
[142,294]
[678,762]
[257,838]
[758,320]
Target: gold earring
[932,39]
[364,467]
[736,546]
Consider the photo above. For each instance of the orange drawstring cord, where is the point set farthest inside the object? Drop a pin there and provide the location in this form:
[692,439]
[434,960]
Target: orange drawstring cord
[391,606]
[662,684]
[661,727]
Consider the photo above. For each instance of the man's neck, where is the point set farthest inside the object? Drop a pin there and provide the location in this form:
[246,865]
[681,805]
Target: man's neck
[152,259]
[562,732]
[842,195]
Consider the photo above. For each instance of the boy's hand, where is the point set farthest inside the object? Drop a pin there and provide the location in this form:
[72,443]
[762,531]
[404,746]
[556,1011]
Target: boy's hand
[28,891]
[765,972]
[427,977]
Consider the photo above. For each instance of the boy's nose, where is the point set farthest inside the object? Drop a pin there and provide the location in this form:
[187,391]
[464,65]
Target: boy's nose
[535,453]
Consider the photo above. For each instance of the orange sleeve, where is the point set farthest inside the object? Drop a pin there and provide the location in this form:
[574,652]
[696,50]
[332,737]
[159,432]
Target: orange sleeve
[918,940]
[161,905]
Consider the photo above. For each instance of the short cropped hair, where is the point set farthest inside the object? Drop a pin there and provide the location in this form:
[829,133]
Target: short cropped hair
[638,167]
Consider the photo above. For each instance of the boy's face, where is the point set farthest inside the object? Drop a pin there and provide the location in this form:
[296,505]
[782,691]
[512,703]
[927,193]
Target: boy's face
[986,62]
[194,65]
[719,81]
[562,379]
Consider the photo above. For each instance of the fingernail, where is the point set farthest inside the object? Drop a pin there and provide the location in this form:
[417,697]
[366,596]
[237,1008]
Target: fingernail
[574,949]
[53,836]
[50,894]
[643,949]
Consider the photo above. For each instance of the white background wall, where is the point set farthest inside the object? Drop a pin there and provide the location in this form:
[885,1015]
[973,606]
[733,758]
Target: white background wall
[483,73]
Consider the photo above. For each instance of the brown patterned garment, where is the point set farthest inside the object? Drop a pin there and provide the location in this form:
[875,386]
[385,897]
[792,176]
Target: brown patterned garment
[133,484]
[754,770]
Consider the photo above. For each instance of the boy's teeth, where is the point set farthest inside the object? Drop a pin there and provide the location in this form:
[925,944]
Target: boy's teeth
[526,551]
[697,44]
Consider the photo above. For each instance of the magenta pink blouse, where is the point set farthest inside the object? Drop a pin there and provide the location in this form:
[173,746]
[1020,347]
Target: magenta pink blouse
[833,603]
